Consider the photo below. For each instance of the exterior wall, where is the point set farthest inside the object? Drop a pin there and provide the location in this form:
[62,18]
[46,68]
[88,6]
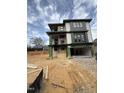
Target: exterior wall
[85,26]
[68,35]
[67,27]
[90,39]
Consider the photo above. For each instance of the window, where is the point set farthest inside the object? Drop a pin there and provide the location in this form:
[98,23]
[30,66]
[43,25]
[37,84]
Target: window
[61,28]
[74,24]
[82,38]
[81,25]
[77,24]
[78,38]
[75,40]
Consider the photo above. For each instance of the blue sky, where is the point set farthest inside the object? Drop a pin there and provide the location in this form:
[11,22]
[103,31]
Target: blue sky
[42,12]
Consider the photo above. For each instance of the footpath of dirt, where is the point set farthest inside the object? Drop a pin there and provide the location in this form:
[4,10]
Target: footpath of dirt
[65,75]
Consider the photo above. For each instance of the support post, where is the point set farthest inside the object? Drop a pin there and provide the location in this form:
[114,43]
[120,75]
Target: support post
[50,53]
[69,52]
[50,47]
[92,50]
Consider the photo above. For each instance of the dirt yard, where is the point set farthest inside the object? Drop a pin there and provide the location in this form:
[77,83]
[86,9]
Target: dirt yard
[77,75]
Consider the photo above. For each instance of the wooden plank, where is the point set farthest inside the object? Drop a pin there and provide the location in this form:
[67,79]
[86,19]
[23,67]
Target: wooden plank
[31,66]
[46,72]
[58,85]
[34,71]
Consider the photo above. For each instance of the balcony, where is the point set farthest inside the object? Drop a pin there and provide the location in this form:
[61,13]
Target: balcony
[59,42]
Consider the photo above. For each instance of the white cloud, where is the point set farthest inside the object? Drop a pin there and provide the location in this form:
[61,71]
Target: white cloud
[65,16]
[35,34]
[55,17]
[93,26]
[32,19]
[77,3]
[92,2]
[79,11]
[49,14]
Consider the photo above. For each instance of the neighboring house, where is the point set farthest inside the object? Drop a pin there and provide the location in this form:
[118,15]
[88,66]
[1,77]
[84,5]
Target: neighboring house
[73,37]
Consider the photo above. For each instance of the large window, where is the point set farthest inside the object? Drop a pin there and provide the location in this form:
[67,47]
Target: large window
[79,37]
[78,24]
[74,24]
[81,25]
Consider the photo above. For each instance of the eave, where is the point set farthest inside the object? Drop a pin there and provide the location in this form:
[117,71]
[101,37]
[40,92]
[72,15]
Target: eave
[73,44]
[64,32]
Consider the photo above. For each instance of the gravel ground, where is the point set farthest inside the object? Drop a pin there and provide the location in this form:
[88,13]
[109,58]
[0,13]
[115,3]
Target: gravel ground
[87,63]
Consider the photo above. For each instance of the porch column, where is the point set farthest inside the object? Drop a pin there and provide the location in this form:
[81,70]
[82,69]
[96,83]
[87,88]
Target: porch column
[50,47]
[50,53]
[69,52]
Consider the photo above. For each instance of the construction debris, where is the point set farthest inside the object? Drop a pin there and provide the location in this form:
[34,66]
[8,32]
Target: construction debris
[34,71]
[32,66]
[46,76]
[58,85]
[45,72]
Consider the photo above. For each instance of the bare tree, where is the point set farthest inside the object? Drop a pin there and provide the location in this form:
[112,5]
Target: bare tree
[38,42]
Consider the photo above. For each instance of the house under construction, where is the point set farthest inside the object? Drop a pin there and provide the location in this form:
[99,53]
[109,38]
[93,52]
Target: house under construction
[72,37]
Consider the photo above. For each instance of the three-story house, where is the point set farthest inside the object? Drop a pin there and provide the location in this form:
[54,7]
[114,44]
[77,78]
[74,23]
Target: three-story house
[72,37]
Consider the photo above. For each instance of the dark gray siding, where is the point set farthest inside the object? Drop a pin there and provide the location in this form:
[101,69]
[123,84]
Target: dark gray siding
[72,28]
